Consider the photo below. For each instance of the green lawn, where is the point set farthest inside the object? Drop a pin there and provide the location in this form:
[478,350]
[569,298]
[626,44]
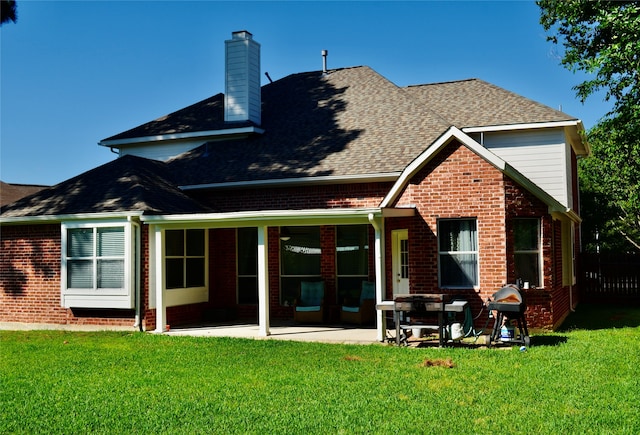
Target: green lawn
[583,379]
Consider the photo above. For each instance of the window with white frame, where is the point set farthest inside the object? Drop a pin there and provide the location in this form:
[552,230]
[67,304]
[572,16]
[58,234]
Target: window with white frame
[526,253]
[185,258]
[458,253]
[96,265]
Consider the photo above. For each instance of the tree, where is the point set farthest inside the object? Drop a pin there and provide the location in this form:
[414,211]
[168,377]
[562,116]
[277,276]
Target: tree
[8,11]
[602,38]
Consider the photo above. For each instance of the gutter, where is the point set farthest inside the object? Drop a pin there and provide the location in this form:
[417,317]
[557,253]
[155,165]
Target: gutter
[49,219]
[214,134]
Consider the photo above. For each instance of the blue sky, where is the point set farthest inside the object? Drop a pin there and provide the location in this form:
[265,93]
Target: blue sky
[73,73]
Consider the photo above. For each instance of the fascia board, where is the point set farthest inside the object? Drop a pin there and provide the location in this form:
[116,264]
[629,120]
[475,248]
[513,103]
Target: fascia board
[526,126]
[46,219]
[276,217]
[574,129]
[178,136]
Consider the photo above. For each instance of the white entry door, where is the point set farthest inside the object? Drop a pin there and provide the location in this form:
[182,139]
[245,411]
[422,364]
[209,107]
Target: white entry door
[400,253]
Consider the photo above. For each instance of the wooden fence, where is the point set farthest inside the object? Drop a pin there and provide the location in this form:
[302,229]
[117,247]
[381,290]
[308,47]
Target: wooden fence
[609,277]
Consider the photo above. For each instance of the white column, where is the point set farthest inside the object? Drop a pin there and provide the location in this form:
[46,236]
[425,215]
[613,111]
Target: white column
[378,226]
[161,309]
[263,282]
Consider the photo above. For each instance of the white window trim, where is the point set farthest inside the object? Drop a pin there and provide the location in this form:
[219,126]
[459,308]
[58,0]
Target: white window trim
[477,254]
[537,251]
[123,298]
[185,295]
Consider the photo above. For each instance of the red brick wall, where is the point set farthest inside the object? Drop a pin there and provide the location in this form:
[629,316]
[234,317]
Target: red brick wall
[30,281]
[295,198]
[456,184]
[459,184]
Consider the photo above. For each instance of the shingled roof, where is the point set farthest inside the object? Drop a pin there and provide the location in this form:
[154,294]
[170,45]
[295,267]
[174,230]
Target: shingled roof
[126,184]
[346,122]
[476,103]
[205,115]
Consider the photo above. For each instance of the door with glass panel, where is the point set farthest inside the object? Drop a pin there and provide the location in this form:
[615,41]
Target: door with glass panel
[400,261]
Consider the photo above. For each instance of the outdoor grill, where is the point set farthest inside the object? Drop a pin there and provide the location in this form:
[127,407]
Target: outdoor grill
[510,307]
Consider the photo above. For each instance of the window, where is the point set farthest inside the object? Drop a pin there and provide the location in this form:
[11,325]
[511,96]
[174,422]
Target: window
[352,259]
[299,261]
[247,266]
[185,260]
[458,253]
[96,265]
[526,234]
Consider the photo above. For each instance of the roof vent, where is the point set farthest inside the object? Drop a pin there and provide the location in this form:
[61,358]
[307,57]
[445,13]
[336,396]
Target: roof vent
[242,79]
[324,61]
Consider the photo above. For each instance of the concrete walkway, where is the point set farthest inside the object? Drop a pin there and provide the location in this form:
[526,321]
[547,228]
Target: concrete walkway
[318,333]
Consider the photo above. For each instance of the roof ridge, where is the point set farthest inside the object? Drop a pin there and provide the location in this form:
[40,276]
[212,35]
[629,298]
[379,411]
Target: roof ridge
[444,83]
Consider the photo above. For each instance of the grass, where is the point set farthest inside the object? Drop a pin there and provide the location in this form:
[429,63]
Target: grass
[583,379]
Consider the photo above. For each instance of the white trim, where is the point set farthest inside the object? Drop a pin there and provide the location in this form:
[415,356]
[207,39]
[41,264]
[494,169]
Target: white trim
[94,297]
[263,282]
[278,217]
[299,181]
[527,126]
[18,220]
[115,143]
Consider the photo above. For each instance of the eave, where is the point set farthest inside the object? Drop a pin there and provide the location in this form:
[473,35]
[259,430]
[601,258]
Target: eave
[573,128]
[53,219]
[204,135]
[337,216]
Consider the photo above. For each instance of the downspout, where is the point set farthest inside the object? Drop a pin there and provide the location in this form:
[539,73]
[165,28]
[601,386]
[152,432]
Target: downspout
[138,290]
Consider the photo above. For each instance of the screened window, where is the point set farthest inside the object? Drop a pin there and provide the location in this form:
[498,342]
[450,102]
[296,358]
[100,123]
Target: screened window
[458,253]
[95,258]
[299,260]
[526,232]
[247,266]
[352,259]
[185,260]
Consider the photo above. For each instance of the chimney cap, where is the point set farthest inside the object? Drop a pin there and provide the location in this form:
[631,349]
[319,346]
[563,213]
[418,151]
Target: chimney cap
[241,34]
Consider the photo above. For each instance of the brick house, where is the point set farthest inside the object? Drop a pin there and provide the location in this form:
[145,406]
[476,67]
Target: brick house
[222,208]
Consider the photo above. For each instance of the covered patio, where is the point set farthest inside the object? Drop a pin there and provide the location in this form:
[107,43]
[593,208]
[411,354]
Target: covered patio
[160,298]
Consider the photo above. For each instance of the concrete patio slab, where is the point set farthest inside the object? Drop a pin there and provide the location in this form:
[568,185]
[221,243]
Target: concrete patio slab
[317,333]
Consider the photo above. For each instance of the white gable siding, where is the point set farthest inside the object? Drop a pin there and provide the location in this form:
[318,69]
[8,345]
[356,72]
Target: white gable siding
[540,155]
[161,151]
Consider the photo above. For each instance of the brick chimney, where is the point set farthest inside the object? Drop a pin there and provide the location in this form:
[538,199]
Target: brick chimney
[242,79]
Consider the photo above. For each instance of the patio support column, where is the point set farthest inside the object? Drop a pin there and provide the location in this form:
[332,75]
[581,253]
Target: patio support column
[161,309]
[378,226]
[263,282]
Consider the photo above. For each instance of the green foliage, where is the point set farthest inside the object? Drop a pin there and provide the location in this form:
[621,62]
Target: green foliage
[575,381]
[602,38]
[8,11]
[610,185]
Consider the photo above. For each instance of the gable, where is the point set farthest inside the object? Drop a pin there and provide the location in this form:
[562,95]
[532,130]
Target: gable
[452,134]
